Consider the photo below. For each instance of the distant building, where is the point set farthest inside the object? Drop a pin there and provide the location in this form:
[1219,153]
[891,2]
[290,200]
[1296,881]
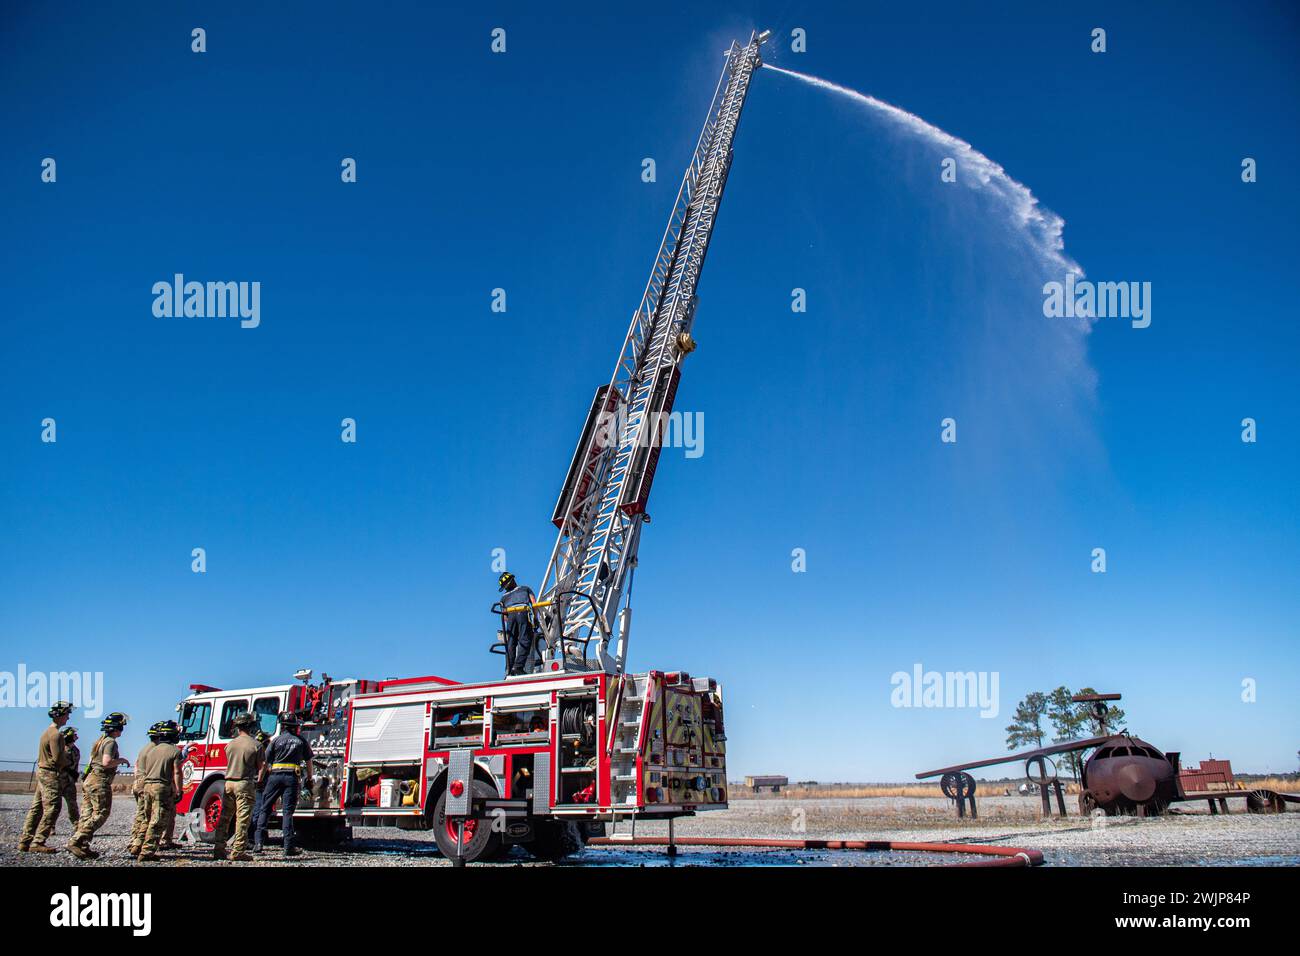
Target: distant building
[775,782]
[1210,775]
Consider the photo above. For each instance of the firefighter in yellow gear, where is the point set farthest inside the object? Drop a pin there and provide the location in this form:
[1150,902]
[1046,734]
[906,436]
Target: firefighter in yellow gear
[51,761]
[244,759]
[97,785]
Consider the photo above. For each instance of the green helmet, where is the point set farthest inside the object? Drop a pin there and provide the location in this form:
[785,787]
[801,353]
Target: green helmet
[244,721]
[69,734]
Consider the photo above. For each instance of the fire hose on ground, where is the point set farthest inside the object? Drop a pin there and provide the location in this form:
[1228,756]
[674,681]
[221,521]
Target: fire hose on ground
[1000,855]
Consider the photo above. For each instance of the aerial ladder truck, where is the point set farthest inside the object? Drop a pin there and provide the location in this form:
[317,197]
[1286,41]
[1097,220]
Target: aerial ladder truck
[546,758]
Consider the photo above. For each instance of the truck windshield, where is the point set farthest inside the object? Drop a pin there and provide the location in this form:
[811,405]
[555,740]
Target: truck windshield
[194,721]
[267,712]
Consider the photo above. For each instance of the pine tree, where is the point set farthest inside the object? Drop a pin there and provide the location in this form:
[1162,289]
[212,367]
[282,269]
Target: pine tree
[1114,716]
[1026,725]
[1067,720]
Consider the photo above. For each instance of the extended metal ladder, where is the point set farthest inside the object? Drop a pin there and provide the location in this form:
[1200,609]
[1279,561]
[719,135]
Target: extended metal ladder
[602,504]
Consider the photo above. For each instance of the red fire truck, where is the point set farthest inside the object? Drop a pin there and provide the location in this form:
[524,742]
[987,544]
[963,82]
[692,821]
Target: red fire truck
[549,755]
[542,760]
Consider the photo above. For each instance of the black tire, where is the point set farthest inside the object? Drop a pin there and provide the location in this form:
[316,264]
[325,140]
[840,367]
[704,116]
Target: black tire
[481,844]
[555,839]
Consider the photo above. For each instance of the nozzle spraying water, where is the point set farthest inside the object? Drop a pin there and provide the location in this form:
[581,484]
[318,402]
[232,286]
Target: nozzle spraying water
[1042,227]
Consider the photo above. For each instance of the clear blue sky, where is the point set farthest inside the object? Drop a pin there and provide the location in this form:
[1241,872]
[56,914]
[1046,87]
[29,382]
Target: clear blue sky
[522,171]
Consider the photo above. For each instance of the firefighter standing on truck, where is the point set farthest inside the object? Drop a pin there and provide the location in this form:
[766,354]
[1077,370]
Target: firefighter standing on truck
[51,759]
[287,756]
[68,776]
[161,769]
[518,624]
[97,785]
[243,765]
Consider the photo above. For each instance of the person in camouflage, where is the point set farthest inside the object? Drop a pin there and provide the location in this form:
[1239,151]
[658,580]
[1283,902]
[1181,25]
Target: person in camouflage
[161,770]
[51,761]
[97,785]
[68,777]
[141,823]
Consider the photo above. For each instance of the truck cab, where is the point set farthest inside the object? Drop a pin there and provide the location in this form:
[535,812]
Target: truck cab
[206,718]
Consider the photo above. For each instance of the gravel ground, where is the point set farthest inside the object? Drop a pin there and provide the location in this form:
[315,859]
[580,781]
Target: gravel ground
[1181,839]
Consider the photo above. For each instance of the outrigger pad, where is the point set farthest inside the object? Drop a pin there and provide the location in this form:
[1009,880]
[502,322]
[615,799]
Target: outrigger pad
[460,767]
[542,784]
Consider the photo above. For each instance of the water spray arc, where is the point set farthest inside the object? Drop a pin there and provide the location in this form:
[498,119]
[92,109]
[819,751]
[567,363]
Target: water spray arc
[1041,227]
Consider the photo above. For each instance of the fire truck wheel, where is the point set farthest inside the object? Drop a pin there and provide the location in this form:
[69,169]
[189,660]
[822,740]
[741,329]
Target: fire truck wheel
[480,842]
[555,839]
[210,811]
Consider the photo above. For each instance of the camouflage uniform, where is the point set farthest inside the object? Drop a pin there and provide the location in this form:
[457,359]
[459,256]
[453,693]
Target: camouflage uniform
[159,793]
[243,761]
[98,790]
[169,825]
[68,783]
[141,823]
[50,764]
